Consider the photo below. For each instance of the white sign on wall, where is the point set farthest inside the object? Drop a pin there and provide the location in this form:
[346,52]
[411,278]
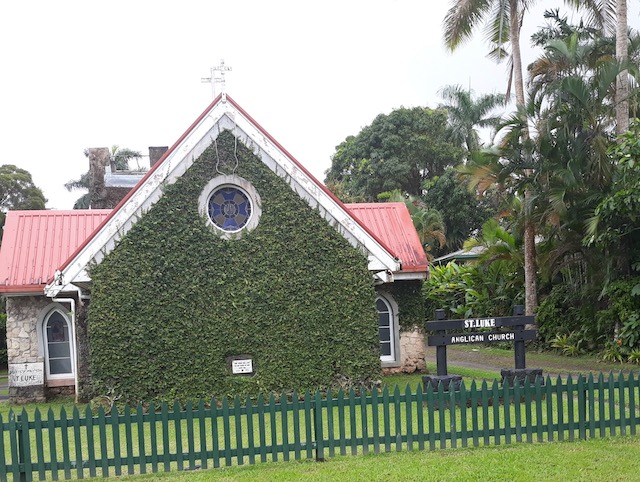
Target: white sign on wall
[239,367]
[26,374]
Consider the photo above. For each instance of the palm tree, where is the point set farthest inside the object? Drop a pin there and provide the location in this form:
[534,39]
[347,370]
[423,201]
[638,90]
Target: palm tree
[622,83]
[120,158]
[503,19]
[466,113]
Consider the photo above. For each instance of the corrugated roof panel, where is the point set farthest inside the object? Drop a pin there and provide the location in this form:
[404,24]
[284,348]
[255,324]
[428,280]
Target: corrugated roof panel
[391,222]
[36,243]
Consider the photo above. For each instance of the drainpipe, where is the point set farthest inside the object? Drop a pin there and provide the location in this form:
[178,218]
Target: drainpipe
[72,302]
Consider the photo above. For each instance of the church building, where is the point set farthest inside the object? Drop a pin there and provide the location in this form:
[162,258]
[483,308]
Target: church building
[226,269]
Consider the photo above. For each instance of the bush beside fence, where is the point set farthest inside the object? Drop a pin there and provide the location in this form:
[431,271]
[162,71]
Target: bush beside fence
[312,426]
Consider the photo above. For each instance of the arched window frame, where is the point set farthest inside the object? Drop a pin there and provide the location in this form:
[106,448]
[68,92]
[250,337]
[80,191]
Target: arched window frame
[392,360]
[43,341]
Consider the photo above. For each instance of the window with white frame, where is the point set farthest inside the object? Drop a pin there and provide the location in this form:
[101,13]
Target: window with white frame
[386,330]
[58,346]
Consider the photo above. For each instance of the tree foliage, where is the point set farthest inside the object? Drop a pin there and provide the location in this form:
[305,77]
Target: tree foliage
[397,151]
[17,191]
[462,211]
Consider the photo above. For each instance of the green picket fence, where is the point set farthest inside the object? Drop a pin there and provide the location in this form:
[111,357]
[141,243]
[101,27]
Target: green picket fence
[312,426]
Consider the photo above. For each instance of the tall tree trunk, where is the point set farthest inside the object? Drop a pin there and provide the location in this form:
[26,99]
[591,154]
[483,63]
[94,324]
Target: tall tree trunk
[530,264]
[622,81]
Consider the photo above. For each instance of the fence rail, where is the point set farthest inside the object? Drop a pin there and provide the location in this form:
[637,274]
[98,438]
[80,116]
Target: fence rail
[311,426]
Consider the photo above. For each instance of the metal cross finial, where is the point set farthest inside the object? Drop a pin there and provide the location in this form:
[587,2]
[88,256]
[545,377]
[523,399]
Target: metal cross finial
[217,79]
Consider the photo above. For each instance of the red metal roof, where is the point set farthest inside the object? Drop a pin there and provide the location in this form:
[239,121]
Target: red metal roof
[36,243]
[392,223]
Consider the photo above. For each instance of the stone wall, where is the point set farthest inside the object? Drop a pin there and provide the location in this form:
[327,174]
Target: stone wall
[22,337]
[22,341]
[412,352]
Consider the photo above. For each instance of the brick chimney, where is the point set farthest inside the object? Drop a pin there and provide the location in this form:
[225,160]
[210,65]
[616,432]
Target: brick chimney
[155,153]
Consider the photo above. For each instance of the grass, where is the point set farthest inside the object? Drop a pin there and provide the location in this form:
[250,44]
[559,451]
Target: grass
[611,459]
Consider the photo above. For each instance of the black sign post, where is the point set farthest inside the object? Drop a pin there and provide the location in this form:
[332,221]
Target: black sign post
[481,330]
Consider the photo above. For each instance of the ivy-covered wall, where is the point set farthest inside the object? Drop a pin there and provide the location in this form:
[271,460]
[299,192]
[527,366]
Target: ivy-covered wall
[411,306]
[173,300]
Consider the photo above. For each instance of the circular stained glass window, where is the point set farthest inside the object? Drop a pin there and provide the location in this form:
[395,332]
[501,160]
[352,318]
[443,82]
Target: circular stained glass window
[229,208]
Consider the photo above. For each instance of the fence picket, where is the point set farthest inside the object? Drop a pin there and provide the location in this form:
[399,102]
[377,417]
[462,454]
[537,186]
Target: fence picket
[352,421]
[37,420]
[375,424]
[153,434]
[274,428]
[202,432]
[364,419]
[582,409]
[441,407]
[452,418]
[331,439]
[227,430]
[622,405]
[632,404]
[463,415]
[517,406]
[431,423]
[126,418]
[13,443]
[308,425]
[237,418]
[166,448]
[570,411]
[262,429]
[251,446]
[475,428]
[539,405]
[317,411]
[191,441]
[91,456]
[549,404]
[3,459]
[66,460]
[386,415]
[285,426]
[215,435]
[495,394]
[507,399]
[485,412]
[296,426]
[26,446]
[102,435]
[419,413]
[612,406]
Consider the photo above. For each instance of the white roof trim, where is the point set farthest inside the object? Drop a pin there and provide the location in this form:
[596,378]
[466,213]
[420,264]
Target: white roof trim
[223,115]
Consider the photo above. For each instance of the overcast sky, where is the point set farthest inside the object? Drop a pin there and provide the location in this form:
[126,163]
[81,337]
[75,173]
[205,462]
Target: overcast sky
[78,74]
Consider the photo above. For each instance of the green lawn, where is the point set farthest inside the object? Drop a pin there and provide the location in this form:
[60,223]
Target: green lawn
[610,459]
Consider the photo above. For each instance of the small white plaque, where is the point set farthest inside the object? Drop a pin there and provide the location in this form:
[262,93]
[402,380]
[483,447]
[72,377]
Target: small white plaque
[241,366]
[26,374]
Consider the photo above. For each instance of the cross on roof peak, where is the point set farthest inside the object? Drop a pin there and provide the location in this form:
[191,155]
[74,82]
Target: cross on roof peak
[217,77]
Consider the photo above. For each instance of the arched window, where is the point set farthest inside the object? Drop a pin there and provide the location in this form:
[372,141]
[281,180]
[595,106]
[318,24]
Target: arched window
[387,330]
[58,347]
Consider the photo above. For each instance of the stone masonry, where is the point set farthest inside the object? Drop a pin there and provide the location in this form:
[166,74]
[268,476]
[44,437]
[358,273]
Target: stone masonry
[22,341]
[412,352]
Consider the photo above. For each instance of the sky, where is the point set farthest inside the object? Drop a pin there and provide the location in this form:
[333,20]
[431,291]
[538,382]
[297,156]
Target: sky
[79,74]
